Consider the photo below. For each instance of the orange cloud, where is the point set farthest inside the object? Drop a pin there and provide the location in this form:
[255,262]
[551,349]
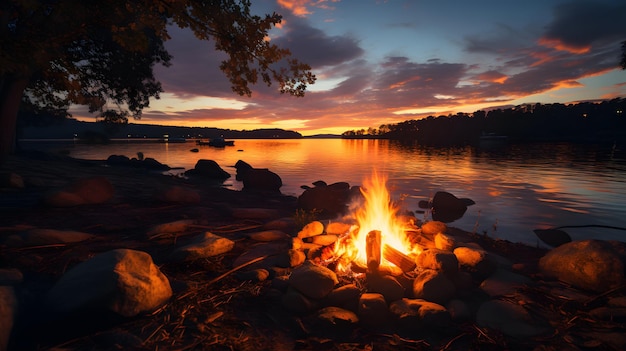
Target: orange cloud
[493,77]
[561,46]
[301,7]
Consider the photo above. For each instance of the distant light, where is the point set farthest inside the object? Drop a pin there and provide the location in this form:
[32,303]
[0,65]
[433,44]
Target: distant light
[585,115]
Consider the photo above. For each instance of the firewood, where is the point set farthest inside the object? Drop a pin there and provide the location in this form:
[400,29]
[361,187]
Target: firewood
[396,257]
[373,250]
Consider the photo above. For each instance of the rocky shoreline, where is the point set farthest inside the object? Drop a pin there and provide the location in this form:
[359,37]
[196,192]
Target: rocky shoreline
[105,256]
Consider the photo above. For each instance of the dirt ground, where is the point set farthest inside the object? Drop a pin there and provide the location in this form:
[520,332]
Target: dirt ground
[211,309]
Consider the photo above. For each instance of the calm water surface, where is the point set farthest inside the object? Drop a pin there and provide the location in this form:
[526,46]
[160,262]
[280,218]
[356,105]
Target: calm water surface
[517,188]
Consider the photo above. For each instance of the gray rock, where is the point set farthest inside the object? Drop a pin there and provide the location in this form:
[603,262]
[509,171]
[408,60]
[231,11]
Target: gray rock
[433,286]
[385,285]
[589,264]
[332,322]
[439,260]
[203,246]
[511,319]
[414,314]
[312,280]
[475,261]
[297,302]
[373,311]
[124,281]
[503,282]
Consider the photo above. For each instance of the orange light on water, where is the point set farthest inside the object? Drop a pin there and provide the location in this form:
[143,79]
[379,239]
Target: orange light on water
[377,212]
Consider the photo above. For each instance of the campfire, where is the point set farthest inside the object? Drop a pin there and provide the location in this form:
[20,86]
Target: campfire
[381,238]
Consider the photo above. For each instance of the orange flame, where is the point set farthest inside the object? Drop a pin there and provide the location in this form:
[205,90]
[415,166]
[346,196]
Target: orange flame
[376,213]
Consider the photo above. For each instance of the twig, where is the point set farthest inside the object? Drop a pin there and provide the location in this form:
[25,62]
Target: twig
[610,291]
[453,340]
[220,277]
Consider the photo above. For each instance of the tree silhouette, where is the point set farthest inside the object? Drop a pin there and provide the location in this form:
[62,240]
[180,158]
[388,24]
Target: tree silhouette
[61,52]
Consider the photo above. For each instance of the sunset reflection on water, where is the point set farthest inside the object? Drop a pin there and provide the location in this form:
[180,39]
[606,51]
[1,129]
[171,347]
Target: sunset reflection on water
[516,189]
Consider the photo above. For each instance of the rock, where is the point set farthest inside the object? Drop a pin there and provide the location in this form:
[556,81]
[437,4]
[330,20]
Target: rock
[289,258]
[269,235]
[511,319]
[329,199]
[257,179]
[8,312]
[202,246]
[503,282]
[180,194]
[431,228]
[86,191]
[444,242]
[589,264]
[41,236]
[255,275]
[332,322]
[475,261]
[312,280]
[338,228]
[324,240]
[312,229]
[208,169]
[448,208]
[297,302]
[124,281]
[433,286]
[414,314]
[553,237]
[346,296]
[373,311]
[459,310]
[170,227]
[385,285]
[439,260]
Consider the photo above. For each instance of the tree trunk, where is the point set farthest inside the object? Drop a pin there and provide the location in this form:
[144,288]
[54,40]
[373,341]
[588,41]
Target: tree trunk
[11,92]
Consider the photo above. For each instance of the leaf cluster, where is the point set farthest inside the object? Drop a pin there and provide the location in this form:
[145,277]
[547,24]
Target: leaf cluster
[95,54]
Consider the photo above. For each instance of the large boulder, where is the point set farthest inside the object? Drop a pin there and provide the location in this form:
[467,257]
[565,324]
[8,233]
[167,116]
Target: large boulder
[124,281]
[257,179]
[209,169]
[588,264]
[329,199]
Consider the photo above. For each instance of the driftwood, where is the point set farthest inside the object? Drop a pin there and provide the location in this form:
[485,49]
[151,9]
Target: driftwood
[396,257]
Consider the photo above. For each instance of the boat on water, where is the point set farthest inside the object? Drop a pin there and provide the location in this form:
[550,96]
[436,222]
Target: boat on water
[216,142]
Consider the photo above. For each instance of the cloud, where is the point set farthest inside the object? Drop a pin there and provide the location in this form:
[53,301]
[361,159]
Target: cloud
[580,25]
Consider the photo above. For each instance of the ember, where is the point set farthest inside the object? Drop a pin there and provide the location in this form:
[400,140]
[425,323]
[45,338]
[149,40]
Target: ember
[380,237]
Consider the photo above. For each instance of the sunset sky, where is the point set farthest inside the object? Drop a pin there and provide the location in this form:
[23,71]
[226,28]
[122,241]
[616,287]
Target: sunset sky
[380,62]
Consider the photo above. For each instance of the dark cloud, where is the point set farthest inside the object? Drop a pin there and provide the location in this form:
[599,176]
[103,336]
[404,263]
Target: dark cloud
[313,46]
[581,24]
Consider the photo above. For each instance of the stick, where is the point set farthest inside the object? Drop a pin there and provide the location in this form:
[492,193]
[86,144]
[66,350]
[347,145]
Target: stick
[396,257]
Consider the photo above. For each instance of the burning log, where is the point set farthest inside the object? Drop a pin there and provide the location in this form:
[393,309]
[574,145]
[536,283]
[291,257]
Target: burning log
[396,257]
[373,250]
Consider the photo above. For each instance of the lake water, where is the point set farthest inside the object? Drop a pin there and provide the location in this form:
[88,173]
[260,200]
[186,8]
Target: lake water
[517,188]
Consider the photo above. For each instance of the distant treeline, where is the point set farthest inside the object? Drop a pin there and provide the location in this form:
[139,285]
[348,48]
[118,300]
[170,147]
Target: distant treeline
[49,127]
[581,122]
